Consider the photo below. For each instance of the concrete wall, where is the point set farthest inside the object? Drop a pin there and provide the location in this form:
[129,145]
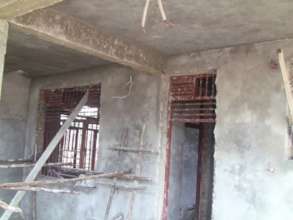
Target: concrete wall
[13,115]
[253,176]
[117,115]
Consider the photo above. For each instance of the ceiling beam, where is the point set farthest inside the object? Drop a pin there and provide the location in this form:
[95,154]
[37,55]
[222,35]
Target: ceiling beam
[14,8]
[70,32]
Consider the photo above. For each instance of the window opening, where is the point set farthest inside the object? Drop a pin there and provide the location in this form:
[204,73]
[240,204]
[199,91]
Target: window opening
[193,98]
[78,149]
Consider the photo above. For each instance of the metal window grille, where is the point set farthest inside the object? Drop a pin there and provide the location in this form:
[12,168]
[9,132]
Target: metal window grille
[79,146]
[193,98]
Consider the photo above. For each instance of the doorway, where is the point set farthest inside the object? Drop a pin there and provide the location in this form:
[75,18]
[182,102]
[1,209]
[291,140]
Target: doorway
[190,166]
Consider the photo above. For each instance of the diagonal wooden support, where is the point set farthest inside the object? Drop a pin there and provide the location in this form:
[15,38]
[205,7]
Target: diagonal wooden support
[45,156]
[287,84]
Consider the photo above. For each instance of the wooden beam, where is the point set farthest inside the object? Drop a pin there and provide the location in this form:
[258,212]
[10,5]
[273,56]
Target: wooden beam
[3,45]
[46,183]
[287,82]
[67,31]
[30,164]
[45,156]
[42,189]
[14,8]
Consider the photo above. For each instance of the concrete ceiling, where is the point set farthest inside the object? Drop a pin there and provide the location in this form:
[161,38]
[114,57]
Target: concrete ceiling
[38,57]
[199,24]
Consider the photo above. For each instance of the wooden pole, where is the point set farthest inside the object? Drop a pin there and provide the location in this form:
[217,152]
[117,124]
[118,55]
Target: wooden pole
[5,206]
[42,189]
[286,79]
[42,183]
[29,164]
[45,156]
[3,46]
[109,203]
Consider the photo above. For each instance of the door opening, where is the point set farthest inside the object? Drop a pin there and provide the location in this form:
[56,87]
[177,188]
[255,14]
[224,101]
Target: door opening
[190,164]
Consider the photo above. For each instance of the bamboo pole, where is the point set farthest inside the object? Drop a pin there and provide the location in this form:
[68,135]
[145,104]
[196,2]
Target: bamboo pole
[286,79]
[125,177]
[42,183]
[5,206]
[30,164]
[41,189]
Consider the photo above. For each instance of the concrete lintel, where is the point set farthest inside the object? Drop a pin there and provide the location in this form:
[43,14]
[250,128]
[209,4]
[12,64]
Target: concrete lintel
[72,33]
[14,8]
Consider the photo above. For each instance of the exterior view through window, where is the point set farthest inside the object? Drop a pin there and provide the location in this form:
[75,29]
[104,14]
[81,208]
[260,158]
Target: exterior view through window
[78,149]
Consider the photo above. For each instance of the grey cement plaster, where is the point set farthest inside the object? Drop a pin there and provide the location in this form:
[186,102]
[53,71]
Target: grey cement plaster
[199,25]
[75,34]
[253,176]
[13,113]
[38,57]
[117,115]
[252,173]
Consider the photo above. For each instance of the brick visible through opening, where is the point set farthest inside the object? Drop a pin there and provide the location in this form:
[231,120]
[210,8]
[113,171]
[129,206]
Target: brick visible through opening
[193,98]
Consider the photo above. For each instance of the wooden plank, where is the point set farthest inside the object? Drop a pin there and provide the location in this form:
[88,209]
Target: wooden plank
[286,79]
[13,8]
[45,156]
[72,33]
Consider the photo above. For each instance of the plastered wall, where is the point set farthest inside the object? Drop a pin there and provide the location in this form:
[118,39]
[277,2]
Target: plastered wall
[253,176]
[132,113]
[13,115]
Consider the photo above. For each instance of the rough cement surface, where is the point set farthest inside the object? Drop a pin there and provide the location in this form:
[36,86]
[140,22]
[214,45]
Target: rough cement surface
[10,9]
[253,176]
[117,116]
[37,57]
[13,113]
[77,35]
[199,24]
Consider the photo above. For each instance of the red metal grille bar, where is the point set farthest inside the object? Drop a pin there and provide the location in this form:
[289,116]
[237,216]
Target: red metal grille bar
[193,98]
[79,145]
